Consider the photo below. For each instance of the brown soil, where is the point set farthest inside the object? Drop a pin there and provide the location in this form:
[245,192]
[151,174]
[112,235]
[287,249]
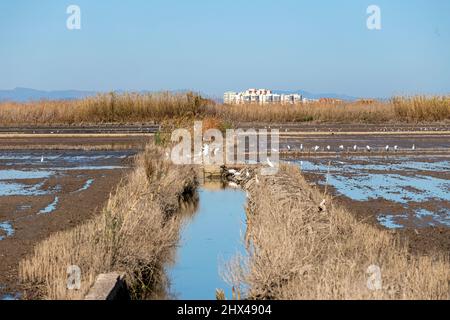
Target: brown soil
[76,142]
[30,227]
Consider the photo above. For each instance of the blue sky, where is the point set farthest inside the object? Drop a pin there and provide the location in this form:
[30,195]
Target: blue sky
[213,46]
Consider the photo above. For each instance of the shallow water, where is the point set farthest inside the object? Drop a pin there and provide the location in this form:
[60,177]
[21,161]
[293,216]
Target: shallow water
[50,208]
[86,185]
[22,174]
[6,230]
[210,238]
[56,158]
[400,180]
[29,165]
[389,221]
[20,189]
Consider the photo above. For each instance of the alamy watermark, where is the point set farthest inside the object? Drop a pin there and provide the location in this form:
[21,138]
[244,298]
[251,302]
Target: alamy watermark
[73,22]
[239,146]
[374,20]
[73,277]
[374,281]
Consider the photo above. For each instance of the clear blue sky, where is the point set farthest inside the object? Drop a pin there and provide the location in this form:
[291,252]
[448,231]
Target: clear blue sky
[215,45]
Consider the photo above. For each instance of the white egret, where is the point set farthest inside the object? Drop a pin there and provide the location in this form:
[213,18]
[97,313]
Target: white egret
[233,185]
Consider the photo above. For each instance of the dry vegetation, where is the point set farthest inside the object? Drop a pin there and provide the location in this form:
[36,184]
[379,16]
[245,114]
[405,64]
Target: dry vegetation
[415,109]
[105,108]
[135,233]
[178,108]
[301,251]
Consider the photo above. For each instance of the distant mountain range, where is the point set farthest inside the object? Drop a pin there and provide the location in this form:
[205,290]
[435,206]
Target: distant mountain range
[26,94]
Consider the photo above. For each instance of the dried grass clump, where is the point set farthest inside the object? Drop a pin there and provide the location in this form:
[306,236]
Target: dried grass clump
[415,109]
[180,109]
[135,233]
[304,248]
[422,108]
[105,108]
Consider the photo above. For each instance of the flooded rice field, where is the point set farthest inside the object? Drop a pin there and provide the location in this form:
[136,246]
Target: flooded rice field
[42,192]
[402,192]
[211,236]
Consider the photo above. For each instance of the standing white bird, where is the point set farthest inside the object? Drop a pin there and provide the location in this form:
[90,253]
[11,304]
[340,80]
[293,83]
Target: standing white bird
[396,148]
[289,147]
[247,174]
[301,147]
[341,147]
[42,158]
[322,206]
[233,185]
[413,147]
[316,148]
[270,163]
[387,148]
[368,148]
[355,147]
[328,148]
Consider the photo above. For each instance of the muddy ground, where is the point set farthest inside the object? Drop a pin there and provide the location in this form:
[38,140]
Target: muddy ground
[80,142]
[75,205]
[34,208]
[349,127]
[422,238]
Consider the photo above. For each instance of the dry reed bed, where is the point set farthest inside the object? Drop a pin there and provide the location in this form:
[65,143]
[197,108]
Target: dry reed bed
[400,109]
[135,233]
[182,108]
[300,251]
[104,108]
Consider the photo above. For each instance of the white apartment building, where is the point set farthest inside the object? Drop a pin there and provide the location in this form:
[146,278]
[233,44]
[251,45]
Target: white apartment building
[260,96]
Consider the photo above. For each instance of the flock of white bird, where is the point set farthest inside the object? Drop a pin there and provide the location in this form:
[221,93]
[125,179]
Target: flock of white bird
[355,148]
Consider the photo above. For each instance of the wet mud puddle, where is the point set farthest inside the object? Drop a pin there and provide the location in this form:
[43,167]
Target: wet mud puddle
[38,184]
[405,191]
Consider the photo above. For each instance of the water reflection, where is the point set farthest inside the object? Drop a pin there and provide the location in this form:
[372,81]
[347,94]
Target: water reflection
[211,236]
